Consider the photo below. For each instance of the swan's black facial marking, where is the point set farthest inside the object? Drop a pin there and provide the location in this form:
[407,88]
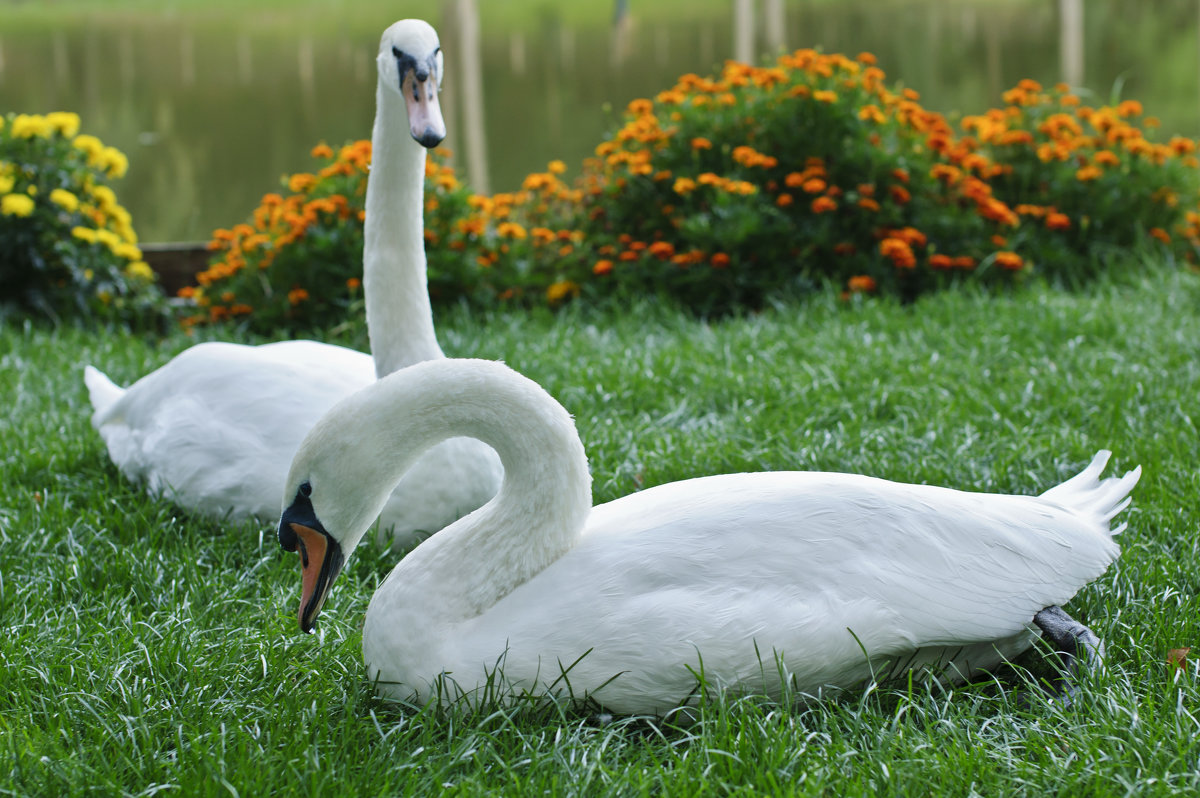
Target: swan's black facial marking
[321,556]
[299,511]
[405,63]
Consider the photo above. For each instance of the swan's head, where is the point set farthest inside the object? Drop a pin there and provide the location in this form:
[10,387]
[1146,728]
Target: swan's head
[410,63]
[327,507]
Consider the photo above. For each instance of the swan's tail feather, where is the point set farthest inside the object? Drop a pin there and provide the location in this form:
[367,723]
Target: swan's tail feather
[102,391]
[1103,499]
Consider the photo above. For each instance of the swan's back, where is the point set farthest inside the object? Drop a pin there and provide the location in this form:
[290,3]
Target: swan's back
[189,431]
[816,568]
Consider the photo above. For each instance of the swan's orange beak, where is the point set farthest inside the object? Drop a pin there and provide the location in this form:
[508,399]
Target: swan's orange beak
[424,113]
[320,563]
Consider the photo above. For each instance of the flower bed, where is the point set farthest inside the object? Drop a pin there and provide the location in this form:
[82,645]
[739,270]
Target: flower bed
[69,246]
[722,190]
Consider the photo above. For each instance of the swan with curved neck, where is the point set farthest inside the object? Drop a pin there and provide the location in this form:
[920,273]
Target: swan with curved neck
[214,428]
[741,574]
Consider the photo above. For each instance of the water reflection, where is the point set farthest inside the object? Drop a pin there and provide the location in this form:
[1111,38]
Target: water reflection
[214,111]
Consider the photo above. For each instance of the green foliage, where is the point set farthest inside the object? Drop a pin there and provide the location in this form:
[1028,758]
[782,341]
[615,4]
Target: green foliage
[722,192]
[69,249]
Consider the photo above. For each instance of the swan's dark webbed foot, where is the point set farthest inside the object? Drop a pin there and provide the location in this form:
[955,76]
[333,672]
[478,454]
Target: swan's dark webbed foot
[1074,642]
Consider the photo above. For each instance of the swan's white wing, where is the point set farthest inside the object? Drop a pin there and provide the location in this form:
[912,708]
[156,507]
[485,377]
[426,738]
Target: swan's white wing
[787,562]
[216,427]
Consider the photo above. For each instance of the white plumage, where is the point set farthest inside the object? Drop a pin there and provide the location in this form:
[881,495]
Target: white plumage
[741,574]
[216,427]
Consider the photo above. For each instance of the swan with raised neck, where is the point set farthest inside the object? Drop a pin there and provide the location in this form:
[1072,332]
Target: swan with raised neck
[216,427]
[767,581]
[399,316]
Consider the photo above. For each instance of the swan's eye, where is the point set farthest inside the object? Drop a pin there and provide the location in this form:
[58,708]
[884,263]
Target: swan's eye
[396,52]
[305,489]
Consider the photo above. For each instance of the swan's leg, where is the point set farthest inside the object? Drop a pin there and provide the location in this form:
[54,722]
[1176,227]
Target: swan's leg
[1073,641]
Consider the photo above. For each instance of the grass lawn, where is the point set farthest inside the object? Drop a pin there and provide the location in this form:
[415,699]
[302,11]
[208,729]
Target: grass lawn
[144,651]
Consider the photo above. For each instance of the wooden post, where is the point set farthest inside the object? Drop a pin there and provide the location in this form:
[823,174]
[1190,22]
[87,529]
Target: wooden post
[1070,51]
[743,31]
[470,66]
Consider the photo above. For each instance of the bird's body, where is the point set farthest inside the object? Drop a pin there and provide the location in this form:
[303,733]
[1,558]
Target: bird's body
[816,580]
[214,428]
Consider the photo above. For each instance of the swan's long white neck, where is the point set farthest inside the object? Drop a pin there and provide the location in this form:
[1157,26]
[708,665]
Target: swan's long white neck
[543,502]
[399,318]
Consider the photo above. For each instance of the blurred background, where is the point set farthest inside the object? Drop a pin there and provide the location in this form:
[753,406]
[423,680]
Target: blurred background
[214,100]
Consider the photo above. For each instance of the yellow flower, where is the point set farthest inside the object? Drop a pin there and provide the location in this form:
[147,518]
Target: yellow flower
[64,199]
[6,184]
[127,251]
[556,167]
[27,126]
[114,161]
[105,198]
[84,234]
[140,270]
[561,290]
[65,122]
[90,145]
[16,205]
[108,238]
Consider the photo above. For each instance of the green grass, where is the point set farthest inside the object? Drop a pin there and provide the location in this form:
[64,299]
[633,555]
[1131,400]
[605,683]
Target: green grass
[144,650]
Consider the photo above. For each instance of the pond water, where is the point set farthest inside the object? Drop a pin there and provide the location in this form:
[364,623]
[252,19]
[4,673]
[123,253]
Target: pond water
[212,109]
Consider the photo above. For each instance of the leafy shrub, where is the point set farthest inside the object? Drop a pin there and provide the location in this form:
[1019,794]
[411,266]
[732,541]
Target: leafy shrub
[296,267]
[723,190]
[69,246]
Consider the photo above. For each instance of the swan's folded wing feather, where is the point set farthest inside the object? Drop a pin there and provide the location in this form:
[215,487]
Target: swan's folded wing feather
[788,563]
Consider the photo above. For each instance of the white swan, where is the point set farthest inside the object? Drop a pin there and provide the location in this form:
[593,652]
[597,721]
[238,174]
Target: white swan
[215,427]
[744,575]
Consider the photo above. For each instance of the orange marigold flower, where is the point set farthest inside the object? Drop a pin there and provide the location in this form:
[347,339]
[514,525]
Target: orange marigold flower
[1088,173]
[701,143]
[684,185]
[662,249]
[794,179]
[868,204]
[898,251]
[813,185]
[866,58]
[353,283]
[322,150]
[963,262]
[510,230]
[940,262]
[900,174]
[1161,234]
[641,107]
[301,182]
[861,283]
[899,194]
[784,200]
[719,260]
[602,267]
[1130,108]
[871,113]
[556,167]
[1057,221]
[1009,260]
[297,295]
[823,205]
[825,96]
[844,248]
